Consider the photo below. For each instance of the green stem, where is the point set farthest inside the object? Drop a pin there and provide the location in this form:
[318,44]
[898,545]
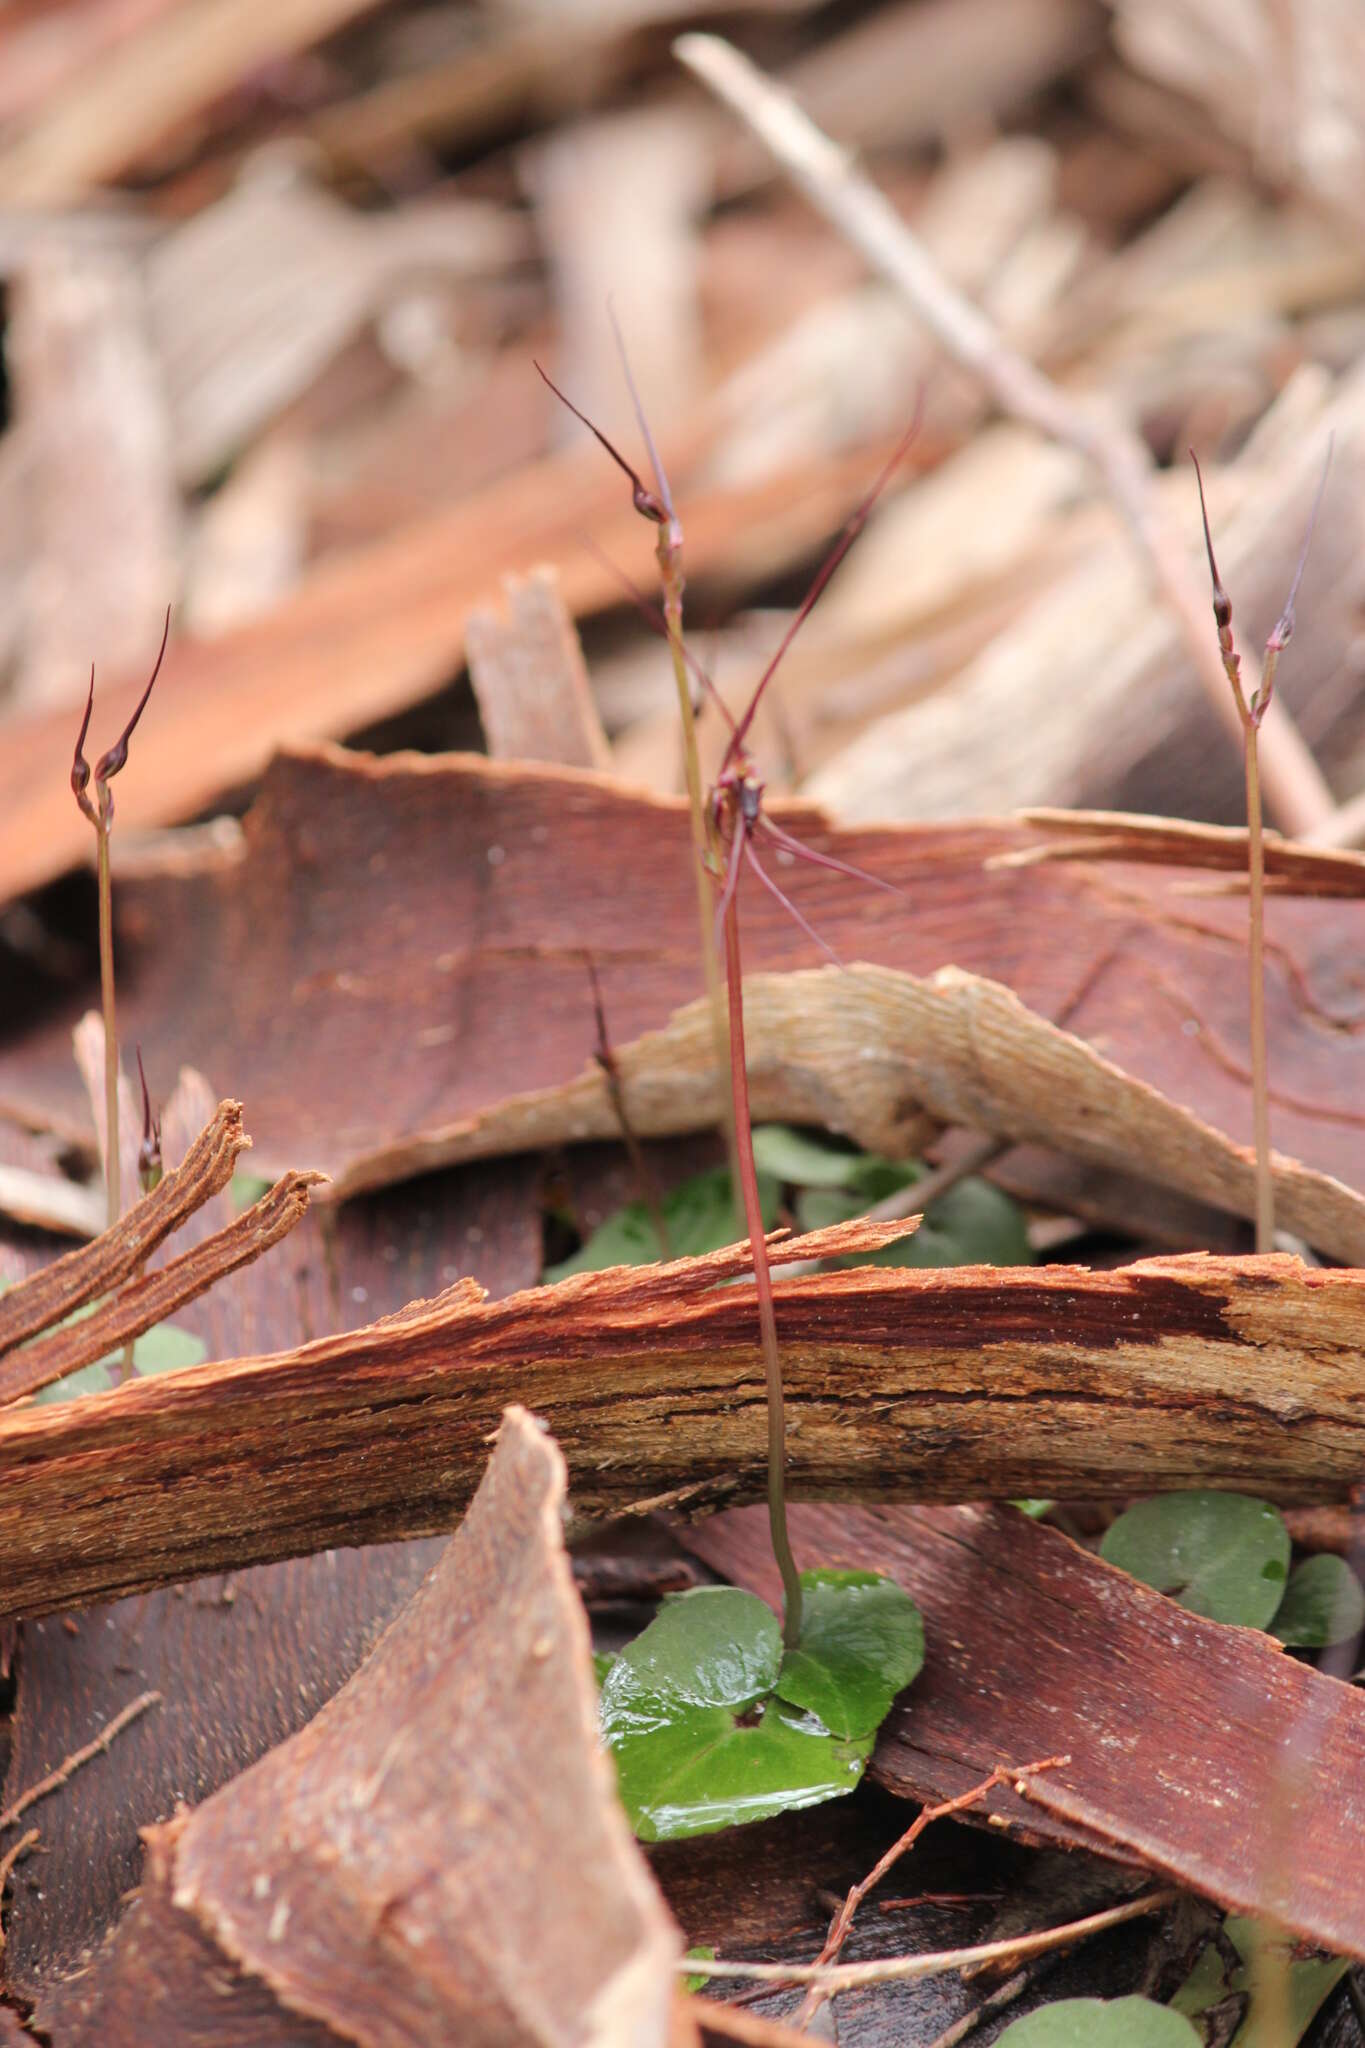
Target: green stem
[1260,1067]
[763,1285]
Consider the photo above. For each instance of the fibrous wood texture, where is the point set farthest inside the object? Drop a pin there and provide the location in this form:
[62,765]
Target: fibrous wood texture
[240,1661]
[920,1385]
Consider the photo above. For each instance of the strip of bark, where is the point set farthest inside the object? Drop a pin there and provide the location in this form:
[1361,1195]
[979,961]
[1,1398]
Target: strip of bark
[55,1290]
[872,1052]
[158,1295]
[1293,869]
[901,1383]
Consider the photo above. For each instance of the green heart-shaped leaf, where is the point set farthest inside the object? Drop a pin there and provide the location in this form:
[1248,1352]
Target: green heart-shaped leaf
[973,1224]
[699,1741]
[1222,1555]
[805,1159]
[699,1217]
[1323,1603]
[862,1642]
[1101,2023]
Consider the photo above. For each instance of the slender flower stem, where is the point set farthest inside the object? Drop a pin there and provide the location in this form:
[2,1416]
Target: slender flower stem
[112,1182]
[1260,1064]
[704,860]
[113,1179]
[763,1285]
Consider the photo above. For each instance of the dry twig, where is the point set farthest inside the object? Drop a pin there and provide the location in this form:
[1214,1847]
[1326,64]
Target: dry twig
[69,1765]
[55,1290]
[834,1977]
[1003,1774]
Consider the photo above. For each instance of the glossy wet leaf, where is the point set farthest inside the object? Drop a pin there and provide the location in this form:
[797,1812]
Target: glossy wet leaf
[862,1642]
[1222,1555]
[699,1741]
[165,1348]
[806,1159]
[1323,1603]
[1101,2023]
[699,1217]
[973,1224]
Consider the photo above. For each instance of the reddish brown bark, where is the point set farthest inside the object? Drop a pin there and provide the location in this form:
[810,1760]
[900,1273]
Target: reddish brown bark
[917,1385]
[400,946]
[1201,1751]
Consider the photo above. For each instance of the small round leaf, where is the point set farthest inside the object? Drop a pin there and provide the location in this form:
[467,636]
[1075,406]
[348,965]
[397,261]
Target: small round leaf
[1323,1603]
[1222,1555]
[1101,2023]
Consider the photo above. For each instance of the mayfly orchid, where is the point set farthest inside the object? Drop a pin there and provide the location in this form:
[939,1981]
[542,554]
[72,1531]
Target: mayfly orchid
[101,816]
[726,832]
[1251,713]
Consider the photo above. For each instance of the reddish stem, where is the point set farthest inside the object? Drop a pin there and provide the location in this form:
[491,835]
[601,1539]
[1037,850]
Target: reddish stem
[763,1285]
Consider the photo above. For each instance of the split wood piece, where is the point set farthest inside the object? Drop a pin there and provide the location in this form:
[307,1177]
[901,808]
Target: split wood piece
[1295,788]
[250,298]
[439,1854]
[870,1052]
[1278,84]
[530,680]
[363,637]
[1199,1750]
[277,1640]
[993,1382]
[409,979]
[1290,868]
[159,1294]
[94,1269]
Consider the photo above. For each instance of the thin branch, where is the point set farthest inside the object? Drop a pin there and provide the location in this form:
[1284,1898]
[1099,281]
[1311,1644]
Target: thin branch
[1003,1774]
[834,1977]
[1295,788]
[68,1767]
[7,1863]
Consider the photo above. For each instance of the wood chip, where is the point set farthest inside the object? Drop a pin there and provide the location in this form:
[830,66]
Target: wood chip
[80,1276]
[527,668]
[373,1873]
